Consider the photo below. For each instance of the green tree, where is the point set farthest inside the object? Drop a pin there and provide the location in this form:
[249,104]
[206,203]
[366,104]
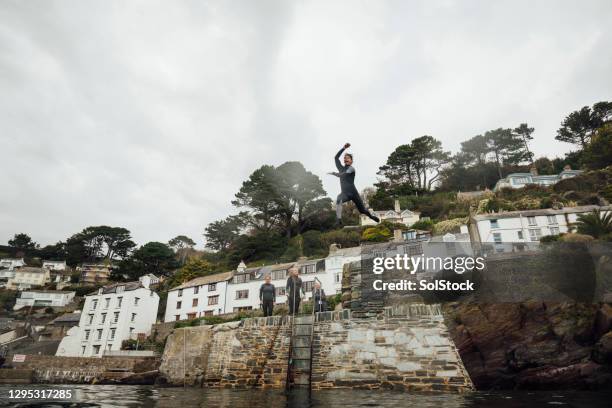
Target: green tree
[579,126]
[286,197]
[257,195]
[221,234]
[181,244]
[598,153]
[595,224]
[99,242]
[22,242]
[525,132]
[506,146]
[153,257]
[193,268]
[416,166]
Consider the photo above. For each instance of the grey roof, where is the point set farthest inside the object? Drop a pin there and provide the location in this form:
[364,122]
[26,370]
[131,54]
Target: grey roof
[113,288]
[351,251]
[68,318]
[543,211]
[205,280]
[31,269]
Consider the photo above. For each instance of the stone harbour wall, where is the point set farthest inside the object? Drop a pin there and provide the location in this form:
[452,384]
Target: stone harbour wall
[81,370]
[408,348]
[249,353]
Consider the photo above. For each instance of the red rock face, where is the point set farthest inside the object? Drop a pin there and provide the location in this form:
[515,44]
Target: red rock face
[534,345]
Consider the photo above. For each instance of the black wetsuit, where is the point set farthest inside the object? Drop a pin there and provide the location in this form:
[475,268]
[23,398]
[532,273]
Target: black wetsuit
[267,295]
[348,190]
[318,298]
[294,290]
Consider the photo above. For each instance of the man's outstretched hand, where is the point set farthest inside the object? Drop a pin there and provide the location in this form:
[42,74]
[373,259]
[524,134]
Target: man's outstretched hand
[347,145]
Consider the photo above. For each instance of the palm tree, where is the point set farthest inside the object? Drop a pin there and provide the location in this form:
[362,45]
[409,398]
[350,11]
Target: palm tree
[595,224]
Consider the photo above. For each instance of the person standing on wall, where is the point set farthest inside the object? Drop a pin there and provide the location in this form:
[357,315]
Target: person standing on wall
[318,298]
[267,296]
[295,290]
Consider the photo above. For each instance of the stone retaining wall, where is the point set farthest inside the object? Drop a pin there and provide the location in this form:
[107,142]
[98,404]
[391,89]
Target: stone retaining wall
[79,370]
[408,348]
[249,353]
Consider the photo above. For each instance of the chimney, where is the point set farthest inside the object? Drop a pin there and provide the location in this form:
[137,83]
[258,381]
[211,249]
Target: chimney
[397,235]
[533,171]
[333,248]
[241,267]
[397,206]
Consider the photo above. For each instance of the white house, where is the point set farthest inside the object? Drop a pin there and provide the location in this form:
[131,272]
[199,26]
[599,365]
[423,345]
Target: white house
[397,215]
[29,277]
[114,313]
[519,180]
[203,296]
[334,265]
[8,266]
[507,230]
[243,291]
[52,298]
[54,265]
[149,280]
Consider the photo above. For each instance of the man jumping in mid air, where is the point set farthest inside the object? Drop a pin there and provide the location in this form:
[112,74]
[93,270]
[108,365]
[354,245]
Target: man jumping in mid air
[346,174]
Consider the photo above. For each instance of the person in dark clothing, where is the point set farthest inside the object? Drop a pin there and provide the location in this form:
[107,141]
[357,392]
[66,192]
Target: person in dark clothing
[267,296]
[348,191]
[295,290]
[318,298]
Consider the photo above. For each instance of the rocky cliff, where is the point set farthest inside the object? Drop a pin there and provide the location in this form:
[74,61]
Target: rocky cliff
[534,345]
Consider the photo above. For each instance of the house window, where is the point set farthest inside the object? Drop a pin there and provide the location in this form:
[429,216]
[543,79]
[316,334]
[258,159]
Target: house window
[131,330]
[133,317]
[408,235]
[136,301]
[99,336]
[242,278]
[83,350]
[112,333]
[531,221]
[242,308]
[194,302]
[115,317]
[497,238]
[308,286]
[191,316]
[106,303]
[337,278]
[119,300]
[180,292]
[280,291]
[535,234]
[554,230]
[103,318]
[87,334]
[309,268]
[179,304]
[94,304]
[213,300]
[90,319]
[242,294]
[212,287]
[278,274]
[494,224]
[108,346]
[96,349]
[177,317]
[208,313]
[196,290]
[520,234]
[552,219]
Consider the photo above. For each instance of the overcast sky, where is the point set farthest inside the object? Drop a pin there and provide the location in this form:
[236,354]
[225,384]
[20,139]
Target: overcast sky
[149,115]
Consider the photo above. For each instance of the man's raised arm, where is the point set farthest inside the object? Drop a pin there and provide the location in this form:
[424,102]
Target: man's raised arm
[337,157]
